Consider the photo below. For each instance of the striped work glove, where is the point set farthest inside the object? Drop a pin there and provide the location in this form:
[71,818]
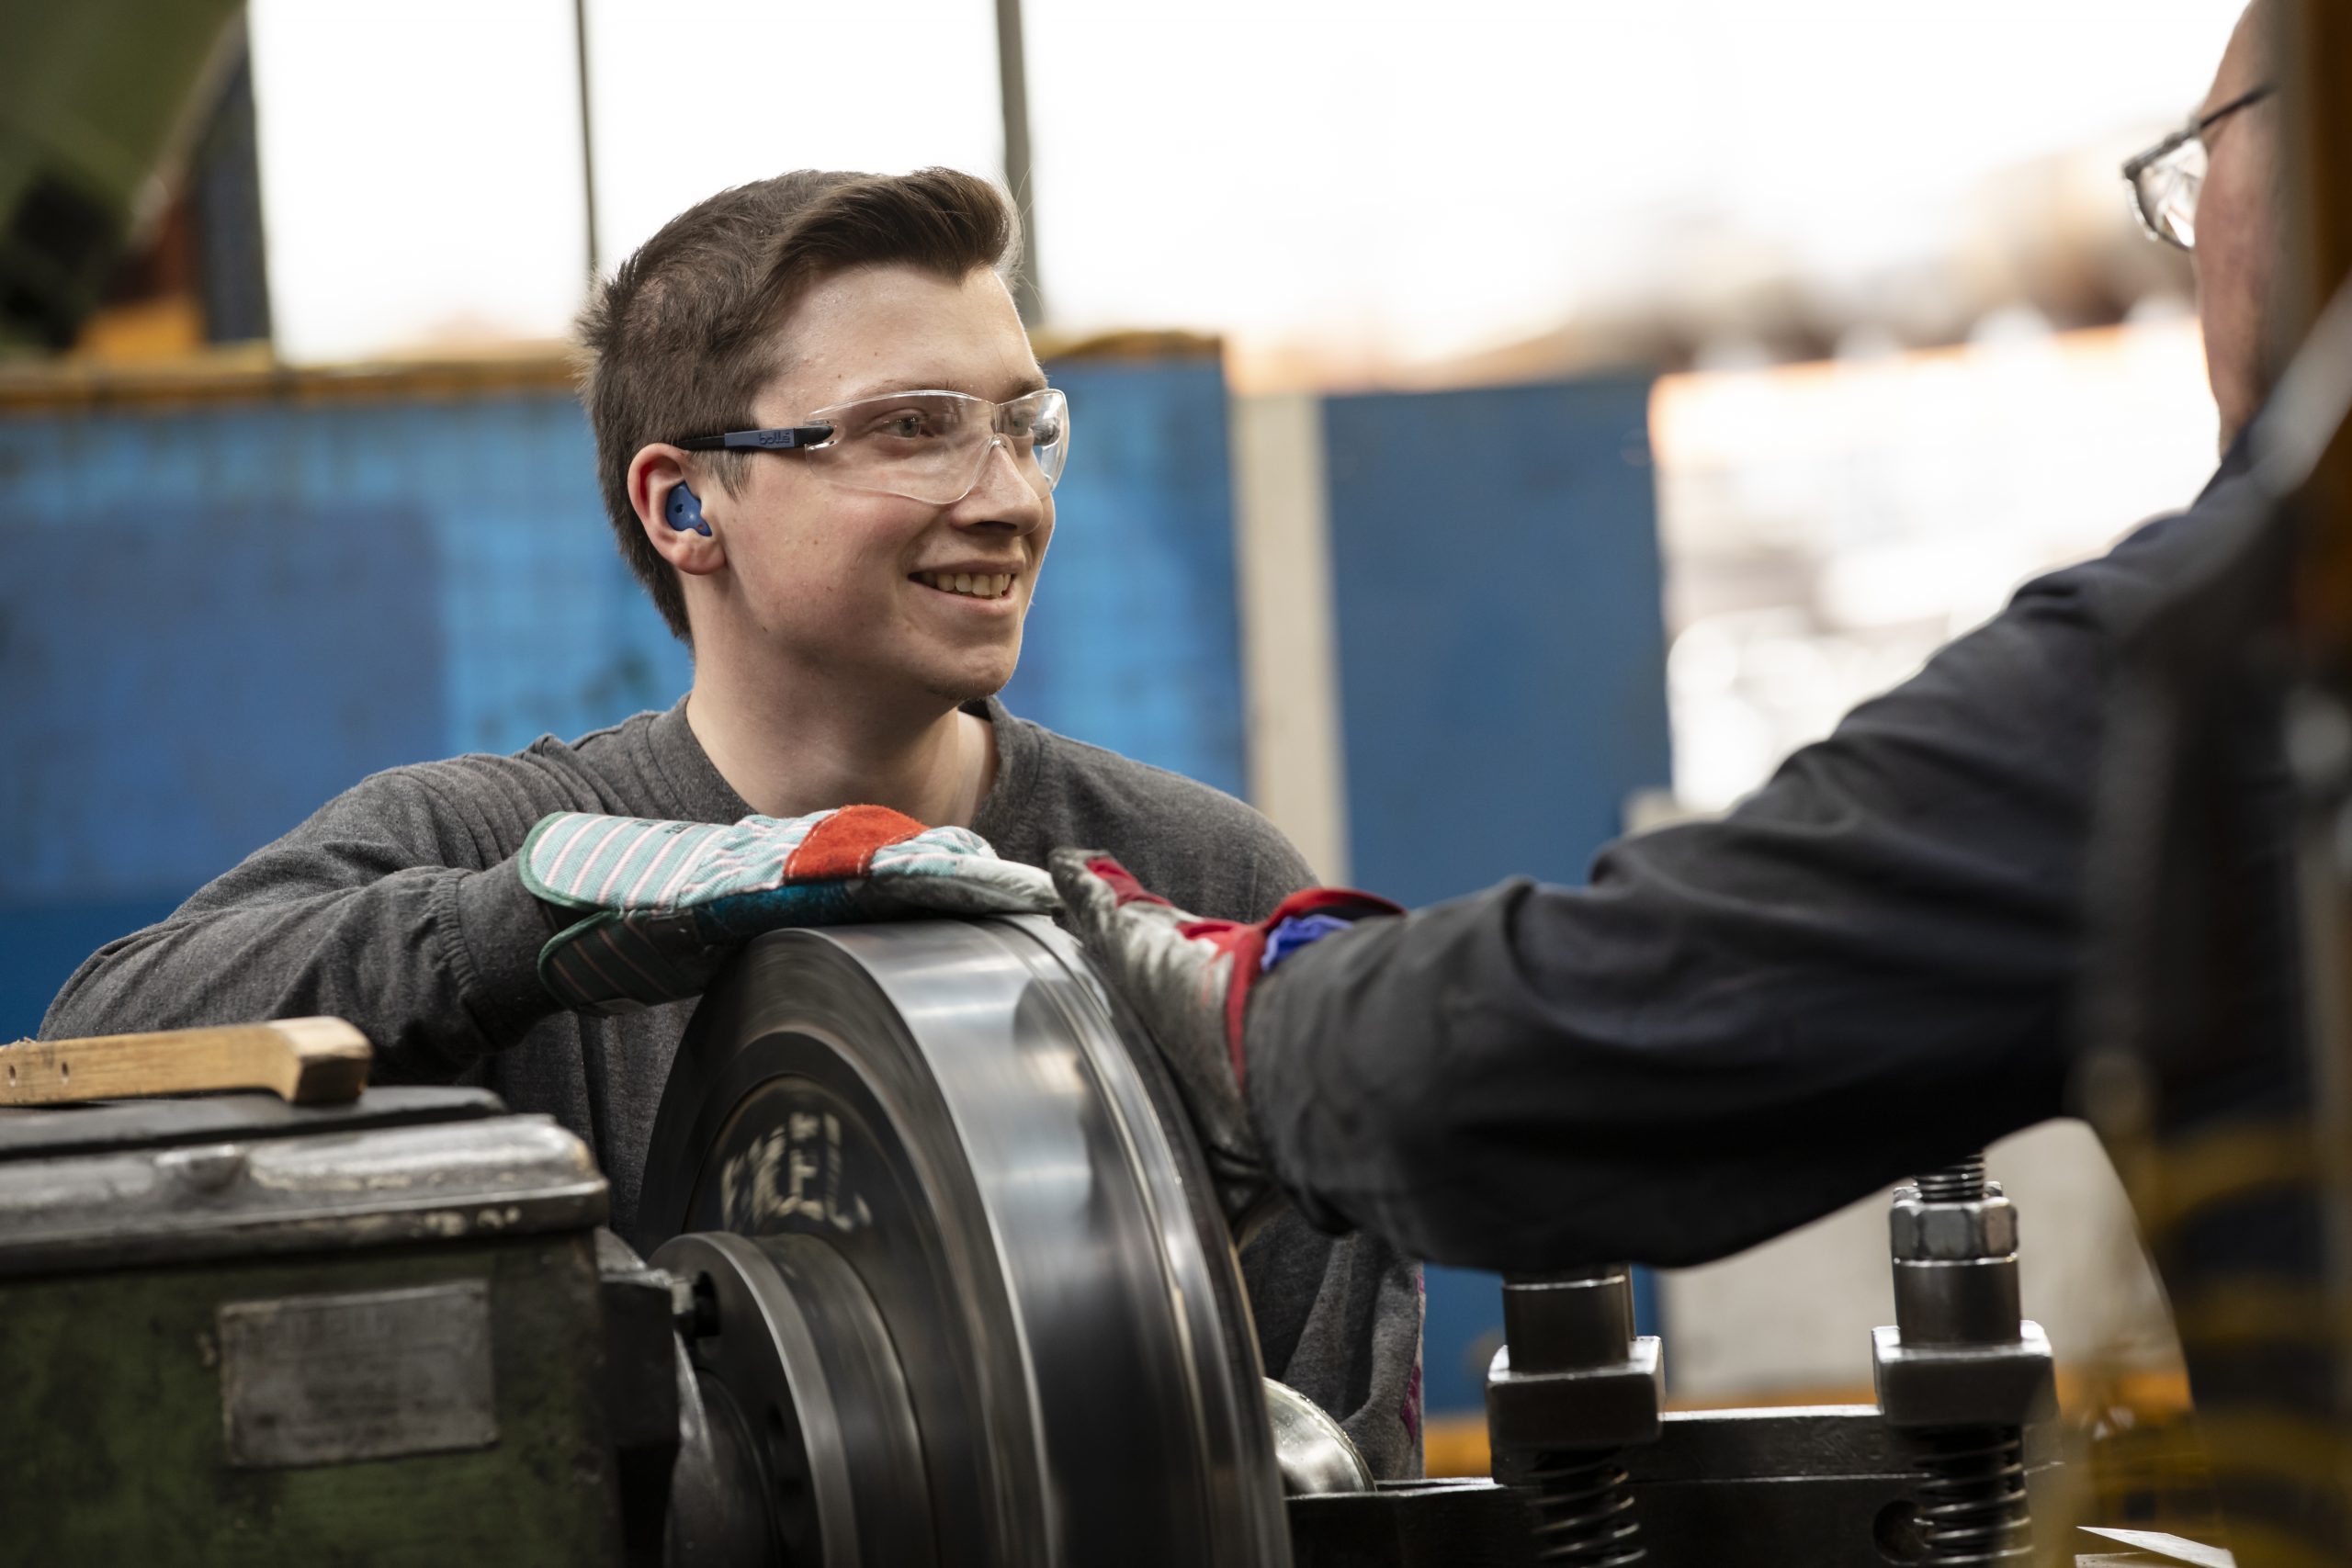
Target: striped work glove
[664,905]
[1188,980]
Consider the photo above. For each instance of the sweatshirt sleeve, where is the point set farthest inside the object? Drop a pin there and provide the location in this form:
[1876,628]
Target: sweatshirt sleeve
[397,907]
[1865,970]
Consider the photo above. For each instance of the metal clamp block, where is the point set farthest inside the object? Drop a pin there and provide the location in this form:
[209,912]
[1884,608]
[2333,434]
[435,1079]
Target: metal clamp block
[1582,1410]
[1922,1386]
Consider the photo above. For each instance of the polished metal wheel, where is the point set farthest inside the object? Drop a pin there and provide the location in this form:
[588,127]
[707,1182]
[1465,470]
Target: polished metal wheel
[976,1231]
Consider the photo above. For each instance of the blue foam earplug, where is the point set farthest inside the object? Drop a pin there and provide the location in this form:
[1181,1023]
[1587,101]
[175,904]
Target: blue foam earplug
[684,511]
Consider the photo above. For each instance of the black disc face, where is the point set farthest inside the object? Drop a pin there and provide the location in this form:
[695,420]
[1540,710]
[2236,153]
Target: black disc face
[807,1407]
[807,1149]
[947,1109]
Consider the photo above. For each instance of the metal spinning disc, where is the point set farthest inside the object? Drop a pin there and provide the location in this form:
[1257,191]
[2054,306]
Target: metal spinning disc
[948,1108]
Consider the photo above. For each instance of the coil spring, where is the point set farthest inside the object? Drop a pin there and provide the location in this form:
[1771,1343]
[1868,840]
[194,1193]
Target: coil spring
[1584,1512]
[1972,1498]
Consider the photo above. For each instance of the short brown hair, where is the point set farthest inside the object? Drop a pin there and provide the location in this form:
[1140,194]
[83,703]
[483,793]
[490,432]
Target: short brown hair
[683,338]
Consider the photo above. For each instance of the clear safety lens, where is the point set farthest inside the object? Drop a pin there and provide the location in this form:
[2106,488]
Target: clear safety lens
[934,447]
[2166,190]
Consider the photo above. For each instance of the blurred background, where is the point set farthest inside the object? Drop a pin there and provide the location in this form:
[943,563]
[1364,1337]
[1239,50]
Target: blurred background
[1531,421]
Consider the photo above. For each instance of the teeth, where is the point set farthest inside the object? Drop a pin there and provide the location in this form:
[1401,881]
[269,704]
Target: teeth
[987,585]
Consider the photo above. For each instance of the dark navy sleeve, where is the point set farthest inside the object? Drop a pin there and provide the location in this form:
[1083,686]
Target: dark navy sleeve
[1864,970]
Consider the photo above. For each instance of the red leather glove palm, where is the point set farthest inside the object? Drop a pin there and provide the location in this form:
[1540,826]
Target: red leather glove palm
[1189,981]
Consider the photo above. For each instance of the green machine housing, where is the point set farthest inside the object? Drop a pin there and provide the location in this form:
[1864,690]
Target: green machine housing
[235,1331]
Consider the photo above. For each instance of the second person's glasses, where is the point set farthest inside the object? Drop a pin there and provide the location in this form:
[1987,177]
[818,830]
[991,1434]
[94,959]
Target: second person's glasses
[2167,178]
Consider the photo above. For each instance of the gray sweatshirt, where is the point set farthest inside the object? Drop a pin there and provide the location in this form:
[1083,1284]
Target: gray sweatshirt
[399,907]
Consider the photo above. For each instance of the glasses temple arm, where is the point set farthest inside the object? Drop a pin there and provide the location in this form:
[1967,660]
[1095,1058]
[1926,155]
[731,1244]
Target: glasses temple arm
[776,440]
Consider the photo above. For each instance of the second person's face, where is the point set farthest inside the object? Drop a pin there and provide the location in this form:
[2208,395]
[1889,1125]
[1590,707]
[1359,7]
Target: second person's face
[2238,233]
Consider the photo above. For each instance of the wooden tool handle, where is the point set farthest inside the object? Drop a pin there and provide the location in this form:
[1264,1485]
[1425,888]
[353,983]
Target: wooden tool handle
[309,1061]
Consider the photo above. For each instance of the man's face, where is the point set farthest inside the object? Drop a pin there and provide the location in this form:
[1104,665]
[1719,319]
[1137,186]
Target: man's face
[840,583]
[2238,233]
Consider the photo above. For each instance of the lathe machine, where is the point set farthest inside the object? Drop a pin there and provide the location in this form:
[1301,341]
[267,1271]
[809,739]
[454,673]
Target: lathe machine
[928,1272]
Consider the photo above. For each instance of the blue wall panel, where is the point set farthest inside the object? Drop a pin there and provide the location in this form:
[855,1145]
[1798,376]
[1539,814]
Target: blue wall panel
[213,618]
[215,660]
[1134,639]
[1502,668]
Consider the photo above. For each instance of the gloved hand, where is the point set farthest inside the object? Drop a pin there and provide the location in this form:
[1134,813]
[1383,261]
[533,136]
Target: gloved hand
[1189,981]
[667,903]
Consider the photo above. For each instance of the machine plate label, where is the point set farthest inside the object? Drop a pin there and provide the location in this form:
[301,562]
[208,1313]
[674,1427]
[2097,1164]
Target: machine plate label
[328,1380]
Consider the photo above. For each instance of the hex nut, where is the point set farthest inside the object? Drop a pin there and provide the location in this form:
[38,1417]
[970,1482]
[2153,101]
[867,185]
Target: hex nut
[1978,1385]
[1590,1408]
[1985,1227]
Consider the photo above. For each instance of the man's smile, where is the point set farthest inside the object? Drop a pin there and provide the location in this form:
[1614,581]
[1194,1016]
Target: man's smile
[984,584]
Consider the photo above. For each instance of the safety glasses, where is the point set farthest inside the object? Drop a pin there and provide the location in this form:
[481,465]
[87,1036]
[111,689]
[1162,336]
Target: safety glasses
[930,447]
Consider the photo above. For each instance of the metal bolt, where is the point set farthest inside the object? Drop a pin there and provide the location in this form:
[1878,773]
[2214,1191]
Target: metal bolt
[1960,1369]
[1955,1183]
[1570,1386]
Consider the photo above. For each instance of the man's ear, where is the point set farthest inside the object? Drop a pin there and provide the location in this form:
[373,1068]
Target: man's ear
[677,517]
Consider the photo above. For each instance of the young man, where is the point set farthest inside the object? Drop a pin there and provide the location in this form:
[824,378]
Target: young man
[829,453]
